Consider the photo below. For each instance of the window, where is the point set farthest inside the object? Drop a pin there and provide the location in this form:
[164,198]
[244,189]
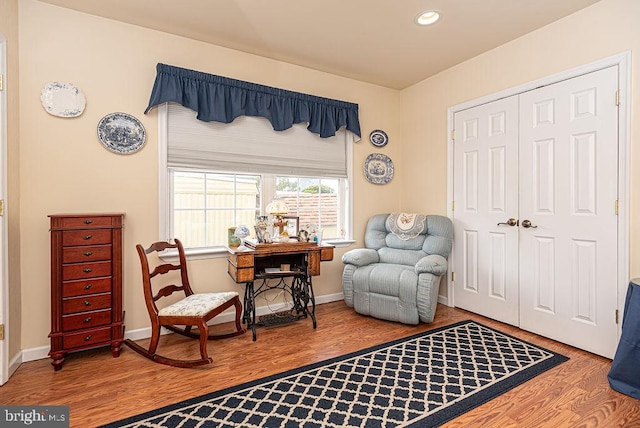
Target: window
[203,201]
[215,176]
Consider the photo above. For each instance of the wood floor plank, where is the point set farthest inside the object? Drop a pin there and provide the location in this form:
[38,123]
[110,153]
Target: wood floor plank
[101,389]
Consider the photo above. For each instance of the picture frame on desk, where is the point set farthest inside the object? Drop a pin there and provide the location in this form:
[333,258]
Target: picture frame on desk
[291,225]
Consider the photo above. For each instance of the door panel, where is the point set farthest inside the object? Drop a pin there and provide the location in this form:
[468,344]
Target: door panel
[568,189]
[485,191]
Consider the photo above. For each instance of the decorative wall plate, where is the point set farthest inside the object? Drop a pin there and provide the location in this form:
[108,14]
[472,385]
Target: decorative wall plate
[63,99]
[121,133]
[378,168]
[378,138]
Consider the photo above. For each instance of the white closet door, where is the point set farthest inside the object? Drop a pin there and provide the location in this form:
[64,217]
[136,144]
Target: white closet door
[485,194]
[568,191]
[548,159]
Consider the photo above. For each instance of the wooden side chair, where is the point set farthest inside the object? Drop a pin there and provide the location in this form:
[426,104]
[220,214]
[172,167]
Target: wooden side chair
[195,309]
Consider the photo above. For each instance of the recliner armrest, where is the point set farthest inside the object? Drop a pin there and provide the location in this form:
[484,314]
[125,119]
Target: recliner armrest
[433,263]
[361,257]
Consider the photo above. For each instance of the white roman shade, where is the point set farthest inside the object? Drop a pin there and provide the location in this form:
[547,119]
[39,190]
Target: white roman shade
[249,144]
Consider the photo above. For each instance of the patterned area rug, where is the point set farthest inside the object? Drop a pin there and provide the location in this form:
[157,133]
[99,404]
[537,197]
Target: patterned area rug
[419,381]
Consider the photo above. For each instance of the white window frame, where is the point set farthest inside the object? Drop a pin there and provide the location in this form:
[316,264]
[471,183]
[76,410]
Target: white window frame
[165,191]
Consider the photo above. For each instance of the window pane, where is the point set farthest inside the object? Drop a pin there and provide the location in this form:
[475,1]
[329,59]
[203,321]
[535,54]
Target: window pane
[188,226]
[317,201]
[218,224]
[188,190]
[221,191]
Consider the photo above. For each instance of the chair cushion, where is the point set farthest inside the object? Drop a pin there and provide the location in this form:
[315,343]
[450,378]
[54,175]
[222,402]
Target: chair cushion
[197,305]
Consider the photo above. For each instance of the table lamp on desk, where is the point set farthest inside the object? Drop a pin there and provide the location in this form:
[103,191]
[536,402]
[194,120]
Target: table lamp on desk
[278,208]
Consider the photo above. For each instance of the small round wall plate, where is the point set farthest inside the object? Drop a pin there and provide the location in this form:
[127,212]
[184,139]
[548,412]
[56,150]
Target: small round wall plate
[378,138]
[63,99]
[378,168]
[121,133]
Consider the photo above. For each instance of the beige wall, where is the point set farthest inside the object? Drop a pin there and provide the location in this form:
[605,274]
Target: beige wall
[607,28]
[9,31]
[65,168]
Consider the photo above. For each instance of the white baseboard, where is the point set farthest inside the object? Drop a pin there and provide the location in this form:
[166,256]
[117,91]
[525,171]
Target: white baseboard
[15,363]
[32,354]
[41,352]
[443,300]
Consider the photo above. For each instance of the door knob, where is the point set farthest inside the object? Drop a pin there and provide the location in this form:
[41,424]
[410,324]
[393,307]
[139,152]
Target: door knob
[527,224]
[510,222]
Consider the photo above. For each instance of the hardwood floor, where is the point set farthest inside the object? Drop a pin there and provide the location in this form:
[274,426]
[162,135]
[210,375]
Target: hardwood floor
[101,389]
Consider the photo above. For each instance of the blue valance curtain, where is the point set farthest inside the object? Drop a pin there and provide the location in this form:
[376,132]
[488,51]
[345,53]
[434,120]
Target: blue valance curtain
[221,99]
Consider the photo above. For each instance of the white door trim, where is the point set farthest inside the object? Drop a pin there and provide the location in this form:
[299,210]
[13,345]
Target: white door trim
[623,61]
[4,276]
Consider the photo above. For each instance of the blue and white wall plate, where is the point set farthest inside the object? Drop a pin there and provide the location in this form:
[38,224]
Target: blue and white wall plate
[121,133]
[378,138]
[378,168]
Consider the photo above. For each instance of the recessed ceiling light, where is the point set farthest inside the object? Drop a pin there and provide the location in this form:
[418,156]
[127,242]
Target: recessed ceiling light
[427,18]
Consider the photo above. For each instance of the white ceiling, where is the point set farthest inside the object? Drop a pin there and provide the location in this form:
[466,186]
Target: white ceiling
[373,41]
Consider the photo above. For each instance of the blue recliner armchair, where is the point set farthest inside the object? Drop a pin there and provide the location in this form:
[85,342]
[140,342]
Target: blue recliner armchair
[397,276]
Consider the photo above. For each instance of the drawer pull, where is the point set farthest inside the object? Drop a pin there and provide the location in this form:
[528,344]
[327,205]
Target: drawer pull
[86,237]
[87,270]
[88,286]
[87,253]
[87,337]
[87,303]
[87,319]
[88,221]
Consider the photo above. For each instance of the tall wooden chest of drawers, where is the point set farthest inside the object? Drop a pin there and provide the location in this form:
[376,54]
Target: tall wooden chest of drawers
[86,283]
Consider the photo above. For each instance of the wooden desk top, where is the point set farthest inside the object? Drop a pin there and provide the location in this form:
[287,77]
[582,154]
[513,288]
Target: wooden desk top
[289,247]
